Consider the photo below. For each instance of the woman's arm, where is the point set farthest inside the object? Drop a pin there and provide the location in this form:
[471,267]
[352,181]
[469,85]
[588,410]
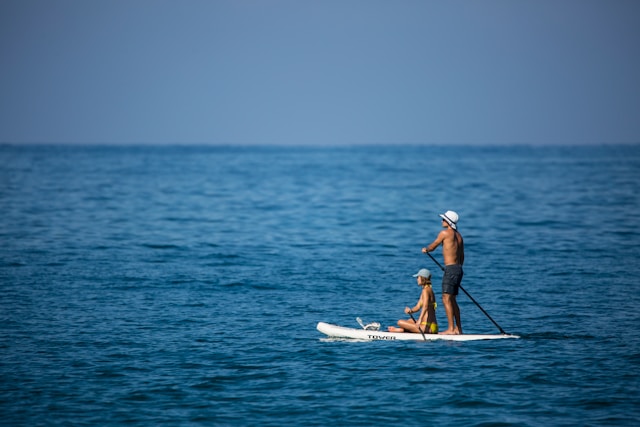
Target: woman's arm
[424,303]
[415,308]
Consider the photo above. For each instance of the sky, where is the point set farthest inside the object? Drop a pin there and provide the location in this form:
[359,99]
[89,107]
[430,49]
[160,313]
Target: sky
[328,72]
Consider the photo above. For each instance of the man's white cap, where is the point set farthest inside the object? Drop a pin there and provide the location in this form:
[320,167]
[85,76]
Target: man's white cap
[451,217]
[423,273]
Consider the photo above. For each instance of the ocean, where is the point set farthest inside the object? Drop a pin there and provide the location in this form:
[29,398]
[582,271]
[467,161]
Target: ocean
[182,285]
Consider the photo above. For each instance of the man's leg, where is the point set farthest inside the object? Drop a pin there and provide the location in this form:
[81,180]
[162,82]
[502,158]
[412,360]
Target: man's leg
[456,314]
[449,309]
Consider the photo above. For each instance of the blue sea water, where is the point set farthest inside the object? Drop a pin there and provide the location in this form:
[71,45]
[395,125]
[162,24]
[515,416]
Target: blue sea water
[151,285]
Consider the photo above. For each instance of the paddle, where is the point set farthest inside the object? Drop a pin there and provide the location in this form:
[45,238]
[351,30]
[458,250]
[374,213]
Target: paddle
[414,321]
[470,297]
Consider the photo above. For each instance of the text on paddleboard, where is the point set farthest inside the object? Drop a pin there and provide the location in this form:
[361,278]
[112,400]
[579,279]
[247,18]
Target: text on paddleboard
[380,337]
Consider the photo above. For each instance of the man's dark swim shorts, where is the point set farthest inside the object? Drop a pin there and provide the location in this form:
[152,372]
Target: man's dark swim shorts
[451,279]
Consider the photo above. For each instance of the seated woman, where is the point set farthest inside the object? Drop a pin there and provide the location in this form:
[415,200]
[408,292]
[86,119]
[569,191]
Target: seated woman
[427,322]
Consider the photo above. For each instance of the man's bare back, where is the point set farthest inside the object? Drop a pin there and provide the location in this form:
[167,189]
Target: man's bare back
[452,246]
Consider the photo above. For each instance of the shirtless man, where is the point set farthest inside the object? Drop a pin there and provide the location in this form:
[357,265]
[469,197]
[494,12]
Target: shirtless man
[453,254]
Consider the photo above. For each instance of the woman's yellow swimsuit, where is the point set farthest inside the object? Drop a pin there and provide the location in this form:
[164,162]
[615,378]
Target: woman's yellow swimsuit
[431,327]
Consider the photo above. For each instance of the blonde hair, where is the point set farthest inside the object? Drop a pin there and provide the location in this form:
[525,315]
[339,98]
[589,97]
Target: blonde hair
[425,280]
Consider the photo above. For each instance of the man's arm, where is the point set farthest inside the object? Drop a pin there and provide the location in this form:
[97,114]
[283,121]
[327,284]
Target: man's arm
[432,247]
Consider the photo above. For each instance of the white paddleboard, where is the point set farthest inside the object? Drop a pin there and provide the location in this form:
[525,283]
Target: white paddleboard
[336,331]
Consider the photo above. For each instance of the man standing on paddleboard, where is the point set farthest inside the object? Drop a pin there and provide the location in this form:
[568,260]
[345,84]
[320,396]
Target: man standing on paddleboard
[453,254]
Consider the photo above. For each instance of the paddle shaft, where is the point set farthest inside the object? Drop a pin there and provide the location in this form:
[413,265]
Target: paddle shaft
[470,297]
[414,321]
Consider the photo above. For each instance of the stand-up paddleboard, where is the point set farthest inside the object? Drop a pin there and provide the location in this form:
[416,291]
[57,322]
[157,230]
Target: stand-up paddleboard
[335,331]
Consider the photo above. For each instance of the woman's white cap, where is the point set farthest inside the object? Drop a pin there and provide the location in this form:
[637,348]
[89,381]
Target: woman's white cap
[451,217]
[423,273]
